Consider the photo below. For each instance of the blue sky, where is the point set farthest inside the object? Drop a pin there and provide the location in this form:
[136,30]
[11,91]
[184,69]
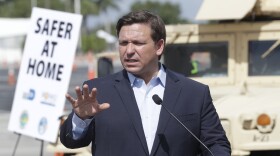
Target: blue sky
[188,8]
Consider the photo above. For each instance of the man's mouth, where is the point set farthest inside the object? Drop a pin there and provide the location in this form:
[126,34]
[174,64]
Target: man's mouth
[130,60]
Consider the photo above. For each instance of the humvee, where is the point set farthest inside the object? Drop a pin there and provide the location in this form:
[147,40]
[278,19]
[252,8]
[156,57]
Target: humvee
[240,63]
[238,56]
[239,60]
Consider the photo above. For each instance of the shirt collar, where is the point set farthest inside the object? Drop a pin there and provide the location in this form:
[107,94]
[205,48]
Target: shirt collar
[161,76]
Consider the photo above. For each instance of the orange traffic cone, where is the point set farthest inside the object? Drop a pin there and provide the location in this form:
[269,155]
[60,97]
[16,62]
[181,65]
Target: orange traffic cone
[58,154]
[91,74]
[11,77]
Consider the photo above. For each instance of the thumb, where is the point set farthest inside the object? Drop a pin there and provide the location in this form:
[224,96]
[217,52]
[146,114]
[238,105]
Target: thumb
[104,106]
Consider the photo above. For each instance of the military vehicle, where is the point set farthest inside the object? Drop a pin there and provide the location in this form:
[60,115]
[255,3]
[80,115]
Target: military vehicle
[238,55]
[239,60]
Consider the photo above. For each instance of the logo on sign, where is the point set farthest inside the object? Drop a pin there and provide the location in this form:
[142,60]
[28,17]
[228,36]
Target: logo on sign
[30,95]
[43,124]
[48,99]
[23,119]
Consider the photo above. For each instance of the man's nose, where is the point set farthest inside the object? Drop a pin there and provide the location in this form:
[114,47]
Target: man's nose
[130,48]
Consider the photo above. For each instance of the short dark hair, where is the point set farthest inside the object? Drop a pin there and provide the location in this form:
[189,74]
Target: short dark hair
[143,16]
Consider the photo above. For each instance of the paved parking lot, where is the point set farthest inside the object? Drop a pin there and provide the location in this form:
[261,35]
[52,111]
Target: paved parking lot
[27,146]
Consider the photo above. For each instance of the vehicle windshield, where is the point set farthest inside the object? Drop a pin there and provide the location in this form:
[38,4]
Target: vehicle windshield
[268,65]
[204,59]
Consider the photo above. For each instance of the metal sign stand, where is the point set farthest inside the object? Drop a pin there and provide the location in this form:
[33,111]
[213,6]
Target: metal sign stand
[17,142]
[15,148]
[42,147]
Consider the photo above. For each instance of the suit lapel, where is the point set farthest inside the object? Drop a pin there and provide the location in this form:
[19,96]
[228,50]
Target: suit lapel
[126,93]
[171,92]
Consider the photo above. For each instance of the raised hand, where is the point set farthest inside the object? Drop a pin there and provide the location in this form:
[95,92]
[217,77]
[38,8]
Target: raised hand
[86,104]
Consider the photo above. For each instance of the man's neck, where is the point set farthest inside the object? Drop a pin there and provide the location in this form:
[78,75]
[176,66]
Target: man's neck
[148,76]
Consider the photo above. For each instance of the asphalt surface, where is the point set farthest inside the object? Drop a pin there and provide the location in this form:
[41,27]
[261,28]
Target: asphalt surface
[27,146]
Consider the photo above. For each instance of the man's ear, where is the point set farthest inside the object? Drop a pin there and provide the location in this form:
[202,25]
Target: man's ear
[160,46]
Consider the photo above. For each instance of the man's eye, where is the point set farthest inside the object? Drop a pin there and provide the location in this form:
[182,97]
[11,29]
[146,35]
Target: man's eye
[123,43]
[138,43]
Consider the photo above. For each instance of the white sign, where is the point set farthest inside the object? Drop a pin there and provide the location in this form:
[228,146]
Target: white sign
[44,74]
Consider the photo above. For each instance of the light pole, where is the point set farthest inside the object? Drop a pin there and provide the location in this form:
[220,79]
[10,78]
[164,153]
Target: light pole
[77,10]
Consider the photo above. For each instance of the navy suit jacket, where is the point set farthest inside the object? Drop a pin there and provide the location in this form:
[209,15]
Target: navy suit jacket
[118,131]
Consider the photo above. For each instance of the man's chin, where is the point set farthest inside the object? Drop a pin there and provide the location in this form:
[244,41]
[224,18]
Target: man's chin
[132,70]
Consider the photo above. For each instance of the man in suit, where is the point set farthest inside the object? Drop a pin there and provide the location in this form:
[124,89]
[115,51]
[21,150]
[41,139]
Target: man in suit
[118,116]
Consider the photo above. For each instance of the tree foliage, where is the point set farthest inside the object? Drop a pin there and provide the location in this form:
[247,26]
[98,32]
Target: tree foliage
[92,43]
[170,13]
[22,9]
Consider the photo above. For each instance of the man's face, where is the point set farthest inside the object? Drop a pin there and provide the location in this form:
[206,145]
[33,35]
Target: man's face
[138,52]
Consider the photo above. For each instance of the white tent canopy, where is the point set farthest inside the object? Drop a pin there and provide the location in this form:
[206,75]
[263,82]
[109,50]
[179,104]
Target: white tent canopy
[13,27]
[225,9]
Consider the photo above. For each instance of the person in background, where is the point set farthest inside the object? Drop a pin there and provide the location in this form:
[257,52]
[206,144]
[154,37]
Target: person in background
[117,114]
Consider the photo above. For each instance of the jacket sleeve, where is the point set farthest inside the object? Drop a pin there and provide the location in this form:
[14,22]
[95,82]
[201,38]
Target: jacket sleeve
[66,135]
[212,132]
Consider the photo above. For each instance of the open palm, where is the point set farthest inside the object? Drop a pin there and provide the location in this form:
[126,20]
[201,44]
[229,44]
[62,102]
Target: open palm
[86,104]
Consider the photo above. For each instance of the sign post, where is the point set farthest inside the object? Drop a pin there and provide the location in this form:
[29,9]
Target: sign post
[44,74]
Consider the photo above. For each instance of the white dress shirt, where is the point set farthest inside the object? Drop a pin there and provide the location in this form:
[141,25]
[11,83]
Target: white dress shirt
[149,111]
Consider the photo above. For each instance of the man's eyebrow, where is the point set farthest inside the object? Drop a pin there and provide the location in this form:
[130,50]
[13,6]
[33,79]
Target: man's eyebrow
[123,40]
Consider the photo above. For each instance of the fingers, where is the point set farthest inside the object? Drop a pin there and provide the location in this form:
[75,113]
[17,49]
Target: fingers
[86,103]
[93,94]
[100,107]
[85,91]
[71,100]
[79,93]
[82,95]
